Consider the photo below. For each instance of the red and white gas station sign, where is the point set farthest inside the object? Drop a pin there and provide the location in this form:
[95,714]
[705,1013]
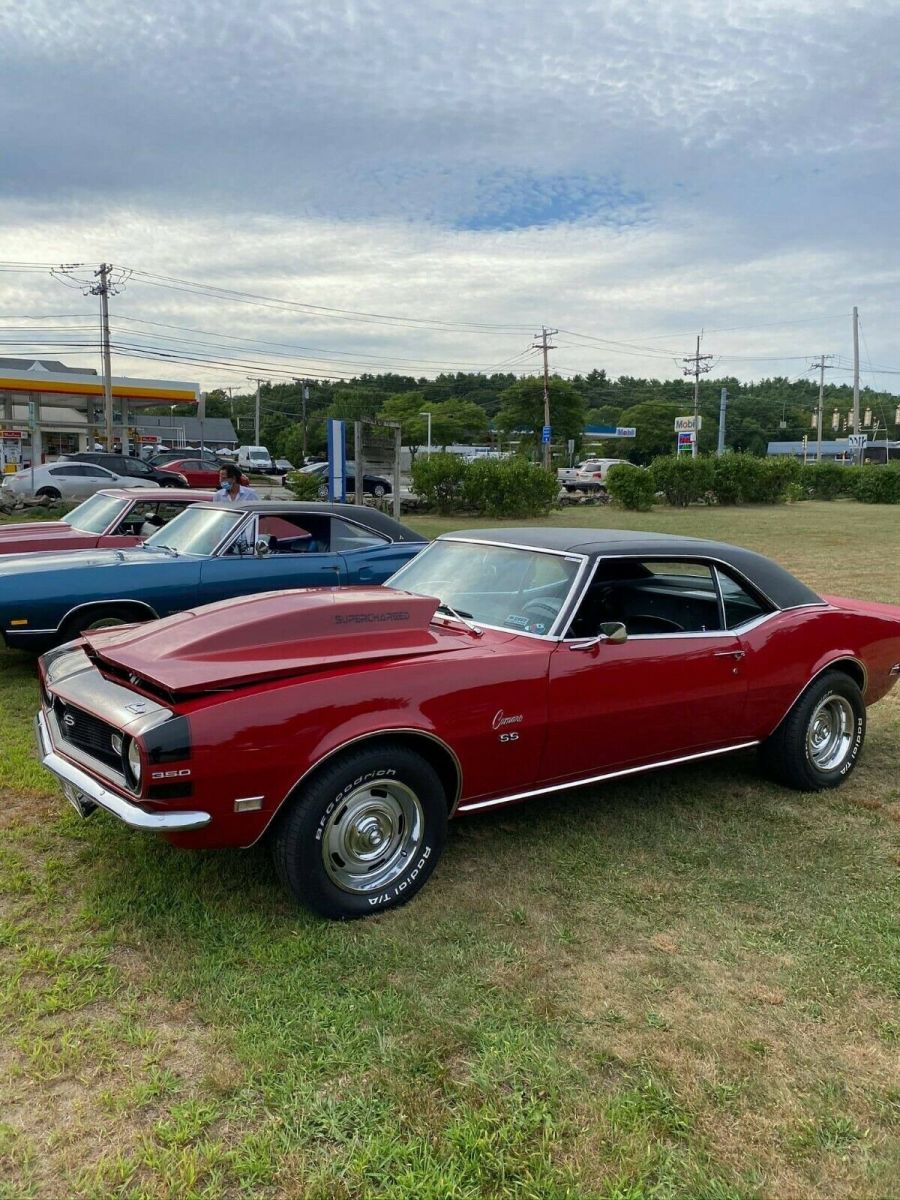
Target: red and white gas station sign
[11,434]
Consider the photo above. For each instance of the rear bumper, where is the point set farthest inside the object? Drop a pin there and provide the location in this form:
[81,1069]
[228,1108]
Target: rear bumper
[86,794]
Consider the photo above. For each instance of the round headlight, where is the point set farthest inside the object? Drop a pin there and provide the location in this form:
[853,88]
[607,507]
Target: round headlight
[133,756]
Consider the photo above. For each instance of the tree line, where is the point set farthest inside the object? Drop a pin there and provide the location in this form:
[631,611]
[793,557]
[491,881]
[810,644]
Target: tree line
[508,412]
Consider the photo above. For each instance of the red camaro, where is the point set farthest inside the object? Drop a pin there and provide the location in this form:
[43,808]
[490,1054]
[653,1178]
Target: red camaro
[198,473]
[349,725]
[111,519]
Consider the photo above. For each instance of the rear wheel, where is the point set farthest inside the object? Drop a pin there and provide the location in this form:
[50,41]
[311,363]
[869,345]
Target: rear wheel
[365,834]
[818,743]
[379,490]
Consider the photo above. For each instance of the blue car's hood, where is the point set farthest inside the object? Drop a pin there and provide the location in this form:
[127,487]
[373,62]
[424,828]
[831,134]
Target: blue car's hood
[30,564]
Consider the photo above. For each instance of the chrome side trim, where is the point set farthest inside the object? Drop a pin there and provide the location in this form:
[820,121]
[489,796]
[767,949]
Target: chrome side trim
[93,791]
[573,783]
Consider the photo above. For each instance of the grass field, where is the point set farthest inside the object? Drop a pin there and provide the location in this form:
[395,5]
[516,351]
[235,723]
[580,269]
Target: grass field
[682,985]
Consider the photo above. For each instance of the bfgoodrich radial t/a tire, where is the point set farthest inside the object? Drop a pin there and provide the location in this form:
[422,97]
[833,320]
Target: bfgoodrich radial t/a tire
[365,834]
[818,743]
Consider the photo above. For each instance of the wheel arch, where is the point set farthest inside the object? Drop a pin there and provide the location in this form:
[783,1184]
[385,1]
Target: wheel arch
[846,664]
[435,752]
[137,606]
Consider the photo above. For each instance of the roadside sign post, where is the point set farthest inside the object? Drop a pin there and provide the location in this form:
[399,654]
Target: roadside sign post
[691,426]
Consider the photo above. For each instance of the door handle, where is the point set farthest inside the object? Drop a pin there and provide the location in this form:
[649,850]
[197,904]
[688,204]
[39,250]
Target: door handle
[737,654]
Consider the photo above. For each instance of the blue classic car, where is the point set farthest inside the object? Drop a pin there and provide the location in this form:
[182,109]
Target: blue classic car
[210,552]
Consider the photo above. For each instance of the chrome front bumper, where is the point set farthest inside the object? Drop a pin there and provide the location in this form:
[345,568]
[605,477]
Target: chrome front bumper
[86,794]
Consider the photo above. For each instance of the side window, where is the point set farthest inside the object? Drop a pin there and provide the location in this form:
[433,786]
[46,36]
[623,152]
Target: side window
[649,597]
[134,467]
[741,605]
[346,536]
[94,472]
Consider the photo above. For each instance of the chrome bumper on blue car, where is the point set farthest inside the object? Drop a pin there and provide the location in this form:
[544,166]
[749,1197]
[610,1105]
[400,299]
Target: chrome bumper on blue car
[86,793]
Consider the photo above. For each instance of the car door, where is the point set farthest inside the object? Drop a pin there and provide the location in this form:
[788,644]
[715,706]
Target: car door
[239,569]
[369,556]
[87,478]
[662,694]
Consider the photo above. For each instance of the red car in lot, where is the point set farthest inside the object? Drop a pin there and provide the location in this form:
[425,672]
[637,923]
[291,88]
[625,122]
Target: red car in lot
[348,726]
[112,519]
[199,473]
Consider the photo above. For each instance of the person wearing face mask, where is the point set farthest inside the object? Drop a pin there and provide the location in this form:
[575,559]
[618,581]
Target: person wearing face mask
[231,490]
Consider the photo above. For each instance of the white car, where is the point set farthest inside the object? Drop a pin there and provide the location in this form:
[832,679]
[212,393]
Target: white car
[589,474]
[66,480]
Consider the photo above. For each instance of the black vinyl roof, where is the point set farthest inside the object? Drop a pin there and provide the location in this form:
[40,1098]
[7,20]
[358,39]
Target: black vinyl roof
[362,514]
[779,585]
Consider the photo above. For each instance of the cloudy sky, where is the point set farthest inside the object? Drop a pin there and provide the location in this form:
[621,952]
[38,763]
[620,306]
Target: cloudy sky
[421,185]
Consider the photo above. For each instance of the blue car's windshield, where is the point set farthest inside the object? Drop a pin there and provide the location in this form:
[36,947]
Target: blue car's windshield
[95,514]
[198,530]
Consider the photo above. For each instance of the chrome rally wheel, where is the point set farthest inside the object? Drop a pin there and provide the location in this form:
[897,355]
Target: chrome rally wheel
[364,833]
[368,841]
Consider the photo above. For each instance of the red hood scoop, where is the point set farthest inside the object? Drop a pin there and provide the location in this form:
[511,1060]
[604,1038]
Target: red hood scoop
[280,633]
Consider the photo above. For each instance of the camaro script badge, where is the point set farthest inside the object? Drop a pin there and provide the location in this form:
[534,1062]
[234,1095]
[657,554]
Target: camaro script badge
[500,720]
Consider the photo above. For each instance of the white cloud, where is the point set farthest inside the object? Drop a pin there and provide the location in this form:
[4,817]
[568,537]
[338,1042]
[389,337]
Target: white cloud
[624,168]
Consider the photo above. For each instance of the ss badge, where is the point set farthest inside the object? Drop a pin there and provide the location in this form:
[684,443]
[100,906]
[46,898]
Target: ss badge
[509,737]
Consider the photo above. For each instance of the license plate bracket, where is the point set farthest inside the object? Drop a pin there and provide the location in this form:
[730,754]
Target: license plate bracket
[82,804]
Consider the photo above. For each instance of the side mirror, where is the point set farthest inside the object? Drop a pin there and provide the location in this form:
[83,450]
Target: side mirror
[610,631]
[262,548]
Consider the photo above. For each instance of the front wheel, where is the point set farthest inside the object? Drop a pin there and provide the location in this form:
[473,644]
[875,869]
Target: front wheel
[49,493]
[818,743]
[379,490]
[365,834]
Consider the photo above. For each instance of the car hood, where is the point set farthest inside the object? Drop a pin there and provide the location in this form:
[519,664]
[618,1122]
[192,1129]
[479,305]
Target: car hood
[31,528]
[70,560]
[292,632]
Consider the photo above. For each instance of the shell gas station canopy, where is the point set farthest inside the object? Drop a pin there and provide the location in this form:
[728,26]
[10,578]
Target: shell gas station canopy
[55,408]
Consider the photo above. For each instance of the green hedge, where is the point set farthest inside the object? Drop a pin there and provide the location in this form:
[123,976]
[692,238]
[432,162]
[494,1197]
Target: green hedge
[305,486]
[682,480]
[631,487]
[825,480]
[491,487]
[874,484]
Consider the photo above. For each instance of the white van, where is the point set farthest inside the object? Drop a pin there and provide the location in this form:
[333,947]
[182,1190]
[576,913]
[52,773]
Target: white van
[254,458]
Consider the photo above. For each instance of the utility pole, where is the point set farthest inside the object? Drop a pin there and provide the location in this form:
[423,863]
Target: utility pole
[857,453]
[545,346]
[701,366]
[253,379]
[304,400]
[822,368]
[101,289]
[723,405]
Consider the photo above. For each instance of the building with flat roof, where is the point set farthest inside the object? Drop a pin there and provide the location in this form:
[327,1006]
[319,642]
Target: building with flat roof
[47,408]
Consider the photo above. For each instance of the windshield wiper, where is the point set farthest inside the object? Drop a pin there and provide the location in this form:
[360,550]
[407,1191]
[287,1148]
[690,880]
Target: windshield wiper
[449,611]
[168,549]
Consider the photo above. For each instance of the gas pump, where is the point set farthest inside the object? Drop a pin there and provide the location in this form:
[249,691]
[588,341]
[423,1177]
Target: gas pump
[11,450]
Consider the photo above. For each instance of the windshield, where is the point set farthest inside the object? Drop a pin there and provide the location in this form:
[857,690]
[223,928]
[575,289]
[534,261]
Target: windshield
[503,586]
[96,514]
[198,530]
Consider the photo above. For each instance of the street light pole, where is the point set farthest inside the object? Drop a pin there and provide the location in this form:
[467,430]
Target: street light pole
[428,415]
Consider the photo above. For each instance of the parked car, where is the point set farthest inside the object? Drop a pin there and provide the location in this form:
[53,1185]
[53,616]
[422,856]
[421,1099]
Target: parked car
[209,552]
[164,458]
[589,475]
[347,727]
[126,465]
[110,519]
[283,465]
[199,473]
[373,485]
[65,480]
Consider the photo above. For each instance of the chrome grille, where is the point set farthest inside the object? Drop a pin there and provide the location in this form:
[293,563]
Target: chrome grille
[88,734]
